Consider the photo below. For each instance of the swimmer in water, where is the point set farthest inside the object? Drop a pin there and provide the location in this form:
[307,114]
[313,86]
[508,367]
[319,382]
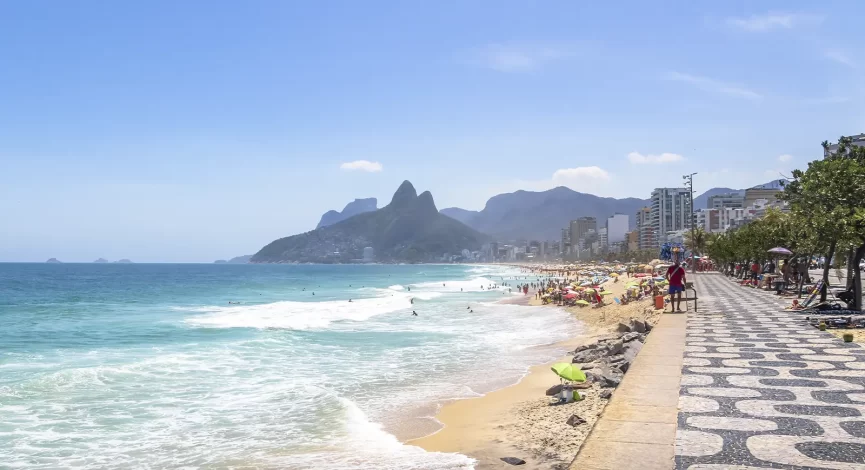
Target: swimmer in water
[471,311]
[349,300]
[413,313]
[411,300]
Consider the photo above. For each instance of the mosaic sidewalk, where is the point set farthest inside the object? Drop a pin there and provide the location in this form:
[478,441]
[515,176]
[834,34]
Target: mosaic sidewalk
[762,389]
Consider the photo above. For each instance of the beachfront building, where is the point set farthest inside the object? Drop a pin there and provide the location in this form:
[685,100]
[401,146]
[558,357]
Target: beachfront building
[617,228]
[566,242]
[580,227]
[720,201]
[670,212]
[644,227]
[769,192]
[633,240]
[368,255]
[858,141]
[602,238]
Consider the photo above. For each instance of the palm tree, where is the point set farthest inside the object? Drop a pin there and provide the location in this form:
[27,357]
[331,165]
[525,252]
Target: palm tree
[696,239]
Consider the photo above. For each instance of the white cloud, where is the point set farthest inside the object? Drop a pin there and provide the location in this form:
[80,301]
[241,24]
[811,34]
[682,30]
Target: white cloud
[565,176]
[521,57]
[666,157]
[362,165]
[785,157]
[715,86]
[840,57]
[771,21]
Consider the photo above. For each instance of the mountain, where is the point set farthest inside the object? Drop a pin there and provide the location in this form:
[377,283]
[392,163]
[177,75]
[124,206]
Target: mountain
[409,229]
[54,261]
[462,215]
[236,260]
[702,201]
[101,260]
[542,215]
[358,206]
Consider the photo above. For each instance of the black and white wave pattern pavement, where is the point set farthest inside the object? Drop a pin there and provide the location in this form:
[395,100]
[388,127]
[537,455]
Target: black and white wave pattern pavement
[763,389]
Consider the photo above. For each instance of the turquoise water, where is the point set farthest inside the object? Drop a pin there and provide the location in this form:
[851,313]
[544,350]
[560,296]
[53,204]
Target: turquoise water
[149,366]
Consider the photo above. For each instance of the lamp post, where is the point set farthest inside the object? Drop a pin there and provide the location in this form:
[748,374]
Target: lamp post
[690,181]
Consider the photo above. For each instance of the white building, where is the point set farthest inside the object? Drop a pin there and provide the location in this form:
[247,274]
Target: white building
[670,211]
[617,228]
[368,255]
[603,240]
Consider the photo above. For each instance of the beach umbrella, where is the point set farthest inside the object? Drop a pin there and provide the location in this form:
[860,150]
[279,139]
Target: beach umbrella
[780,251]
[582,302]
[606,293]
[569,371]
[570,296]
[614,274]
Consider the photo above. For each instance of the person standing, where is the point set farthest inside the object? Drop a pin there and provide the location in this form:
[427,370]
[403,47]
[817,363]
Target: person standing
[676,276]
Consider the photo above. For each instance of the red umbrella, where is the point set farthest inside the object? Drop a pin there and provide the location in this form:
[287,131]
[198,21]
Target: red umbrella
[571,296]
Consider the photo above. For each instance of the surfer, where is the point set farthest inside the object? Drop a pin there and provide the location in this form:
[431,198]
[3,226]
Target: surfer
[411,300]
[413,313]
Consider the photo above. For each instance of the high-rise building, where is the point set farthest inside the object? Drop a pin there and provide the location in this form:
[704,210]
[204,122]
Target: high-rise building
[633,240]
[617,228]
[644,226]
[603,240]
[566,242]
[581,226]
[720,201]
[671,212]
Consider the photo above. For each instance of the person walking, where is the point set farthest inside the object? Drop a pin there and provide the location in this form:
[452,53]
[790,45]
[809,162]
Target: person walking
[676,276]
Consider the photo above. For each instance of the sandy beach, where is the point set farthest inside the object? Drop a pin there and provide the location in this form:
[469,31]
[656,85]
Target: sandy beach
[519,420]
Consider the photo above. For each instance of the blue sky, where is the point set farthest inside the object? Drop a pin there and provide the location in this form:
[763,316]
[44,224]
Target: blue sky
[197,130]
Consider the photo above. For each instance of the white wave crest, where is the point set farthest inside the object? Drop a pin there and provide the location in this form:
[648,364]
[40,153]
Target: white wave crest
[297,315]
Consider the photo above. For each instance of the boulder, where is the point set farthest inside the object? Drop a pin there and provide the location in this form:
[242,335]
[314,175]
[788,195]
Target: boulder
[614,348]
[589,355]
[623,328]
[616,359]
[624,366]
[628,337]
[588,366]
[575,421]
[638,325]
[631,350]
[606,394]
[513,460]
[584,347]
[554,390]
[609,377]
[649,327]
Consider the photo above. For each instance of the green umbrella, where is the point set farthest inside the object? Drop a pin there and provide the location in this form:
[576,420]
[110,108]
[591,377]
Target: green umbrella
[581,302]
[569,371]
[606,293]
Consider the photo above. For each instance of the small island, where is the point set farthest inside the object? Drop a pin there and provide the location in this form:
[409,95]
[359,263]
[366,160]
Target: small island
[123,261]
[101,260]
[54,261]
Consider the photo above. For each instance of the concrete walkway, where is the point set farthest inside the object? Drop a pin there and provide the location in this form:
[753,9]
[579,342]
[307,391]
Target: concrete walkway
[638,427]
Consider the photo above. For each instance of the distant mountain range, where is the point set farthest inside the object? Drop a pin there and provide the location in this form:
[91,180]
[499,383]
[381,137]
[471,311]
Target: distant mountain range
[536,215]
[409,229]
[358,206]
[541,215]
[236,260]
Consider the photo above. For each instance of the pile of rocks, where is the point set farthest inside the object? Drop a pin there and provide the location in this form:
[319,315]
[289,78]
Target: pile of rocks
[607,360]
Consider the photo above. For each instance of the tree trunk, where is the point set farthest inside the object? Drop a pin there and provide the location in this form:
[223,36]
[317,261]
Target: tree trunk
[857,278]
[851,267]
[826,267]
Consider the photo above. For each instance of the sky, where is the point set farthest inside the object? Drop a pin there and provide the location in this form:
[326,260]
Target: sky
[166,131]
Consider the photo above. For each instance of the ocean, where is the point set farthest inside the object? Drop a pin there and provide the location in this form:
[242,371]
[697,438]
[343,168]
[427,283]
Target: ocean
[151,366]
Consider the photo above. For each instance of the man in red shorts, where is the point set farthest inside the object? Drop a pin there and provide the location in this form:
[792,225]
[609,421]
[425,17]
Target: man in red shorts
[676,276]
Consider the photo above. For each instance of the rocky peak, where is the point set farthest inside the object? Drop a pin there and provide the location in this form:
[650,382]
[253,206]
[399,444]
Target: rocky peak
[404,195]
[425,204]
